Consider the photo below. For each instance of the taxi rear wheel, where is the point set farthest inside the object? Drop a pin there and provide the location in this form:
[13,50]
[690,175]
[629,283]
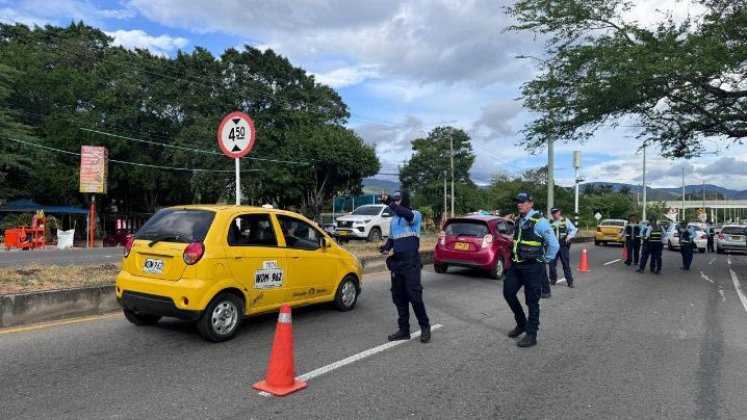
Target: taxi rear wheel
[221,318]
[139,318]
[347,294]
[440,267]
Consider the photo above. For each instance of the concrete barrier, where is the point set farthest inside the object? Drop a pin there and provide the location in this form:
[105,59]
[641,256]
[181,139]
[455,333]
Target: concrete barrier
[378,264]
[28,308]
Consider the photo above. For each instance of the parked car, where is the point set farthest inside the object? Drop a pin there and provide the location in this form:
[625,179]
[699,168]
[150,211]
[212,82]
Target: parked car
[610,230]
[673,237]
[731,238]
[217,264]
[369,222]
[482,242]
[117,238]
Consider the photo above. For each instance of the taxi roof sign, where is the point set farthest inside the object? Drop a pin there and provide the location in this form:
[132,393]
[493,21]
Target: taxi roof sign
[236,135]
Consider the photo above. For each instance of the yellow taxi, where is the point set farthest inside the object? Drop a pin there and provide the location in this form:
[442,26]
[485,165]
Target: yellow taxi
[217,264]
[610,230]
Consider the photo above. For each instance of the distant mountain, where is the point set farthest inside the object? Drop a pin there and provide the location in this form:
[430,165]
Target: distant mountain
[376,186]
[674,193]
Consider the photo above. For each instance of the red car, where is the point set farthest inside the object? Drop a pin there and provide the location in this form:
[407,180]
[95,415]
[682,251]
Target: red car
[482,242]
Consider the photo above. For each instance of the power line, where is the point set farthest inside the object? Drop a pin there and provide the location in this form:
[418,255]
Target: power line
[171,168]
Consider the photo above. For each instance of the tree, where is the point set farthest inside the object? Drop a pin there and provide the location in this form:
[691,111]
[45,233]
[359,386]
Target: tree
[424,174]
[681,81]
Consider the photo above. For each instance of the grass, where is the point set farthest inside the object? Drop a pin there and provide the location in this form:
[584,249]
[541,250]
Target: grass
[37,277]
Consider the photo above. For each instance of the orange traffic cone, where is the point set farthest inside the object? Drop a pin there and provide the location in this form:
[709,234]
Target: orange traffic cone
[625,252]
[584,266]
[281,372]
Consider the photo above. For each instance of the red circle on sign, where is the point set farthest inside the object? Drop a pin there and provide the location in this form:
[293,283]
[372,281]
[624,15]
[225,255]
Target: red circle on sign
[252,134]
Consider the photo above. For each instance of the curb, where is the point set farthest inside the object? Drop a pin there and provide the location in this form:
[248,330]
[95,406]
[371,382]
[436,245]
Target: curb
[51,305]
[378,264]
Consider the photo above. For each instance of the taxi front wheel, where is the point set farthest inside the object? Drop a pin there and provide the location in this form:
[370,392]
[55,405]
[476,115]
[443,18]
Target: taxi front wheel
[221,318]
[347,294]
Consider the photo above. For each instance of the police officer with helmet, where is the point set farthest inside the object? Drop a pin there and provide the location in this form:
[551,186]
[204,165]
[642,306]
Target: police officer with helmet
[564,231]
[534,243]
[405,265]
[687,243]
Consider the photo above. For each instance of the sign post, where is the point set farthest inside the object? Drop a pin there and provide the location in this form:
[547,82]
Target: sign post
[94,169]
[236,136]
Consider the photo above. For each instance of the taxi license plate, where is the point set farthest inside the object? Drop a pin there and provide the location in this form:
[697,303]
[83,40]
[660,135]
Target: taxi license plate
[462,246]
[343,233]
[153,265]
[736,238]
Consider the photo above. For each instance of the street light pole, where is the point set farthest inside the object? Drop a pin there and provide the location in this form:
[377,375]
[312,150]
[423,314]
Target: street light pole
[683,193]
[550,176]
[644,181]
[576,165]
[451,142]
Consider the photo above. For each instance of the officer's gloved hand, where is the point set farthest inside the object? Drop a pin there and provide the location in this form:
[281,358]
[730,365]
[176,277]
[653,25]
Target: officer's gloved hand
[383,250]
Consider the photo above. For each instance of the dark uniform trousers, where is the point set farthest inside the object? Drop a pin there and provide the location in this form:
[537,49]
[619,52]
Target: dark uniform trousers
[687,254]
[529,276]
[407,289]
[710,243]
[564,256]
[654,248]
[545,285]
[634,249]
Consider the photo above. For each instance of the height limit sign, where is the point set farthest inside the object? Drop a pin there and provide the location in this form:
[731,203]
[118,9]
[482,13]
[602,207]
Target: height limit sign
[236,138]
[236,135]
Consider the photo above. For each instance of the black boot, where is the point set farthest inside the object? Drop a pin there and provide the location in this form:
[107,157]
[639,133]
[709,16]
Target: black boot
[425,334]
[529,340]
[399,335]
[546,295]
[570,284]
[516,332]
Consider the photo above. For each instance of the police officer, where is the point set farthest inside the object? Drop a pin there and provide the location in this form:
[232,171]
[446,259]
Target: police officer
[528,255]
[632,240]
[405,265]
[564,231]
[652,246]
[687,243]
[709,234]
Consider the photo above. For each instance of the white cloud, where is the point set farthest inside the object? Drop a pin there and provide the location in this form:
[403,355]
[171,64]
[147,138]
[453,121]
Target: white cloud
[62,12]
[347,76]
[159,45]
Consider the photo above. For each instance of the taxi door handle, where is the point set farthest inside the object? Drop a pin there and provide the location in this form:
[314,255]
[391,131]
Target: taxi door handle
[295,258]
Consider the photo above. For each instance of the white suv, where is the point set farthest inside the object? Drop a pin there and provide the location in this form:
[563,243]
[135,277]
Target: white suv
[370,222]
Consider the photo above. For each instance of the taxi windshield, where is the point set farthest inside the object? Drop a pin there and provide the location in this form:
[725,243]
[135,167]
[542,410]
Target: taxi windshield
[177,225]
[367,211]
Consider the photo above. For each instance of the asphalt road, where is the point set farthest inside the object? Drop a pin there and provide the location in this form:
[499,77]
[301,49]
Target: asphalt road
[75,256]
[619,345]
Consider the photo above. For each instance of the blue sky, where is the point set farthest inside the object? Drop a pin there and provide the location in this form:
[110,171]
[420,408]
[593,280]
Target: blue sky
[403,68]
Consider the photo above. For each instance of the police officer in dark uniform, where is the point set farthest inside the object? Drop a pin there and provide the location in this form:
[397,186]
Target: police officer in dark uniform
[405,266]
[534,243]
[687,243]
[710,233]
[564,231]
[652,246]
[632,240]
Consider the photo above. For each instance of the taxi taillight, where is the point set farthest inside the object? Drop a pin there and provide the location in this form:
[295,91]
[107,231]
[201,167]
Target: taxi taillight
[487,240]
[442,238]
[193,253]
[128,245]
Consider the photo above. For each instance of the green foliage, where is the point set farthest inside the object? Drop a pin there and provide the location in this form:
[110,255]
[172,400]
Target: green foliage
[681,81]
[424,174]
[13,220]
[55,82]
[503,189]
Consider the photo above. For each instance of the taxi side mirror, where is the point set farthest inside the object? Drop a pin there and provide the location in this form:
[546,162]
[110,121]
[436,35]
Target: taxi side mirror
[324,242]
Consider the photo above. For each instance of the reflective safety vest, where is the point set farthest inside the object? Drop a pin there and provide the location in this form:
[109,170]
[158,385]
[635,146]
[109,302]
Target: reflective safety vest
[656,235]
[633,231]
[685,236]
[528,246]
[561,228]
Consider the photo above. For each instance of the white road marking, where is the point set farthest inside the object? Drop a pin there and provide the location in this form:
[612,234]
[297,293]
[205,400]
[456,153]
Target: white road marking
[356,357]
[721,292]
[561,280]
[712,261]
[613,261]
[704,277]
[738,288]
[728,259]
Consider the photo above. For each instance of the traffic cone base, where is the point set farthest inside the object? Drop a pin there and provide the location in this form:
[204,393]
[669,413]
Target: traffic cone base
[280,391]
[281,373]
[625,252]
[584,265]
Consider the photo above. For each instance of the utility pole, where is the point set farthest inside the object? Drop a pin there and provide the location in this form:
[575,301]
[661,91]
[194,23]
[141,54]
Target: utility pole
[683,193]
[444,212]
[644,181]
[451,142]
[576,165]
[550,177]
[703,181]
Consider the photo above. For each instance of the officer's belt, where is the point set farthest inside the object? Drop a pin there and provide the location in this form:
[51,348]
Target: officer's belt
[405,255]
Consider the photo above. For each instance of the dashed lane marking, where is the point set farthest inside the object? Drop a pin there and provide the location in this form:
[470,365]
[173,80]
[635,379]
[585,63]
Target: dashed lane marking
[704,277]
[354,358]
[613,261]
[738,288]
